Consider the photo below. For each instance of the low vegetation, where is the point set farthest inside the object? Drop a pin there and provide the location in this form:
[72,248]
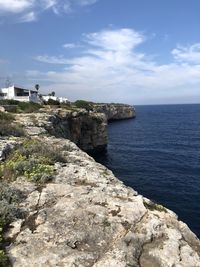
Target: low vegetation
[153,206]
[52,102]
[20,107]
[84,104]
[6,117]
[8,127]
[9,198]
[70,105]
[33,160]
[14,106]
[27,107]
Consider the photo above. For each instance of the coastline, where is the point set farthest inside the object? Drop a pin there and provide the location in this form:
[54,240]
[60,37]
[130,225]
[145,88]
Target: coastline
[85,216]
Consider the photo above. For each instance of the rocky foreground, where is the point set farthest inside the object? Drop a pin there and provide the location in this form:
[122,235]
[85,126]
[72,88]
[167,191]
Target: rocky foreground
[86,217]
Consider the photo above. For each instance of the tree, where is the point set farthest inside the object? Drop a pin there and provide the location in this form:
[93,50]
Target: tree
[37,87]
[52,93]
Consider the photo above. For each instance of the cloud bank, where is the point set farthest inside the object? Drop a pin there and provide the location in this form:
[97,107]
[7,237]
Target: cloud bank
[112,68]
[189,54]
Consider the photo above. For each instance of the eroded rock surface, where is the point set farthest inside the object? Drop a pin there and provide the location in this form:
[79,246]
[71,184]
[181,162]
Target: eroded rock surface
[116,111]
[86,217]
[87,129]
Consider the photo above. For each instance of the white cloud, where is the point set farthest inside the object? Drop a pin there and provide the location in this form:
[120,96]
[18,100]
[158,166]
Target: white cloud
[86,2]
[115,40]
[69,6]
[70,45]
[49,3]
[15,6]
[111,69]
[28,8]
[31,16]
[187,54]
[52,59]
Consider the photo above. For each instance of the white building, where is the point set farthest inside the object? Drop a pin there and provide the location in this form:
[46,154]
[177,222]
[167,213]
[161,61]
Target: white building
[63,99]
[19,94]
[48,97]
[55,98]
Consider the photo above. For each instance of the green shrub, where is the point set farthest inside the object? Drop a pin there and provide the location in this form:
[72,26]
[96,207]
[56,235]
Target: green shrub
[4,260]
[9,194]
[8,102]
[84,104]
[9,198]
[8,127]
[38,148]
[4,116]
[28,107]
[33,159]
[66,105]
[23,107]
[153,206]
[52,102]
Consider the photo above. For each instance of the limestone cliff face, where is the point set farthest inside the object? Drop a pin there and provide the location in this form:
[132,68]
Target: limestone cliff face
[87,129]
[116,111]
[86,217]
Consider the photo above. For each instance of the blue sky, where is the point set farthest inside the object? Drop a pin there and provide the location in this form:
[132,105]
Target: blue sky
[131,51]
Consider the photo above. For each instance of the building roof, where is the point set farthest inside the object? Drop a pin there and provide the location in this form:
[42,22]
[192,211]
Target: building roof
[24,89]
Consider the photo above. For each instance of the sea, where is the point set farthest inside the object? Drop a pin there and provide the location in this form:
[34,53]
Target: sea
[158,154]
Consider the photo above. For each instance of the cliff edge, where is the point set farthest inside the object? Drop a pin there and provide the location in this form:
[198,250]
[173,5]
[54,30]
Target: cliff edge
[84,216]
[58,207]
[116,111]
[87,129]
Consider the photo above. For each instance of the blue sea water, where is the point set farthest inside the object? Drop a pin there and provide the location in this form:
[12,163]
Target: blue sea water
[158,154]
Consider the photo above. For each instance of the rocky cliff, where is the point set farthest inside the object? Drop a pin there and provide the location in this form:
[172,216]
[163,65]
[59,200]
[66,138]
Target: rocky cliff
[84,216]
[116,111]
[87,129]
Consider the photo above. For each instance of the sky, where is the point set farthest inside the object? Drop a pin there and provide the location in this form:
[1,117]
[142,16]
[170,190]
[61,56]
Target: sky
[127,51]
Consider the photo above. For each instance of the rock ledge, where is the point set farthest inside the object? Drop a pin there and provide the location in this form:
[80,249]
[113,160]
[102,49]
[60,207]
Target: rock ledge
[86,217]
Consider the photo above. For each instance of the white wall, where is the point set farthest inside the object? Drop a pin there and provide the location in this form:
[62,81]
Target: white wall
[47,97]
[63,100]
[9,91]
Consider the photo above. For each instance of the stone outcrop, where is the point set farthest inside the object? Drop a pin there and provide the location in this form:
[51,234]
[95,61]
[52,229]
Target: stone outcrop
[6,146]
[116,111]
[87,129]
[86,217]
